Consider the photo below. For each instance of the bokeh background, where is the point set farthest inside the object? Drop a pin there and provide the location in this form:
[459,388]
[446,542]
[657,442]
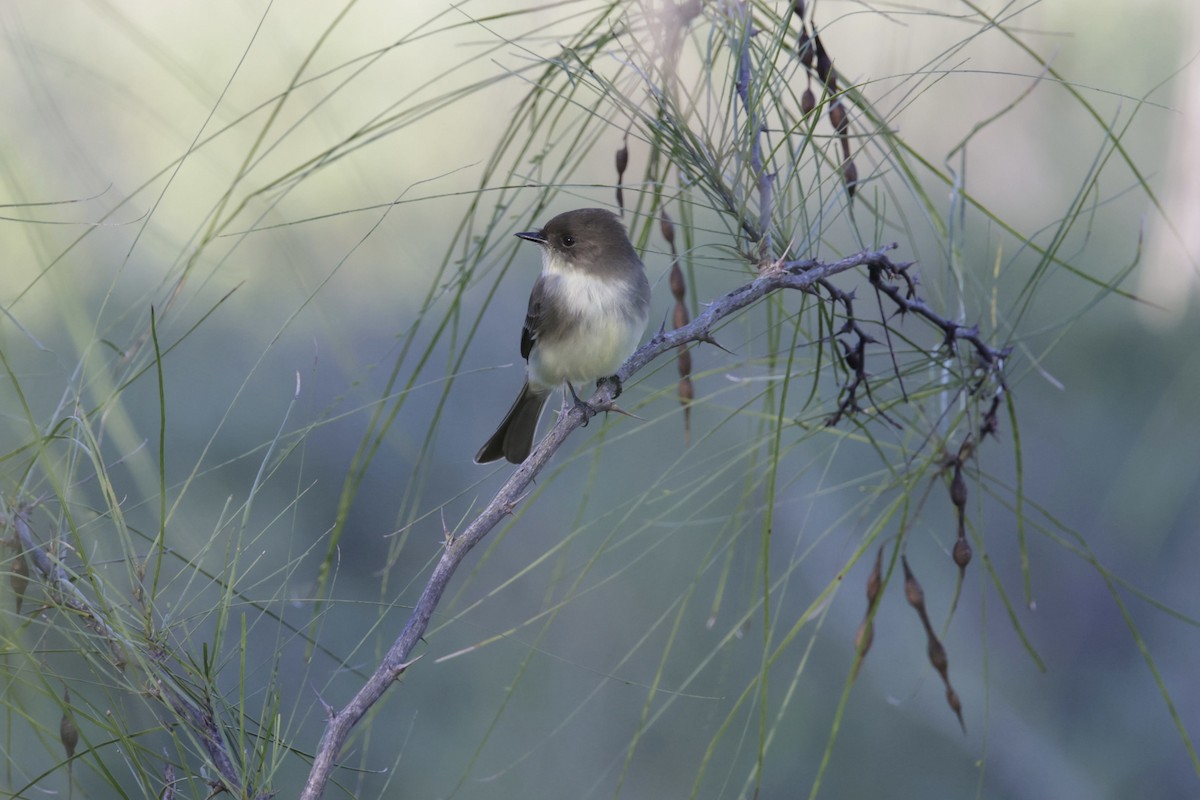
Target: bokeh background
[127,126]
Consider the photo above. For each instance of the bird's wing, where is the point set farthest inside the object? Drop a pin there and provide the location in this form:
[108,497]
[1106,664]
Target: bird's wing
[533,317]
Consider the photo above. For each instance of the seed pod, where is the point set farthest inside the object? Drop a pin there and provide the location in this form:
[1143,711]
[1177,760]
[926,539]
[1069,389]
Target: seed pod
[912,588]
[864,637]
[804,46]
[955,705]
[678,285]
[838,117]
[875,579]
[825,67]
[850,176]
[684,362]
[962,553]
[680,317]
[937,656]
[866,629]
[668,229]
[958,489]
[808,101]
[68,731]
[687,392]
[798,5]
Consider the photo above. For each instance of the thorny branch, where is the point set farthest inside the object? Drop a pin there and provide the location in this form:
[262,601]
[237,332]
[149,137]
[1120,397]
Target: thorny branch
[803,275]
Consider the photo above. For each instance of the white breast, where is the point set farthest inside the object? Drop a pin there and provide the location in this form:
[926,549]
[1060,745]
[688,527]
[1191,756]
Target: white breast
[607,328]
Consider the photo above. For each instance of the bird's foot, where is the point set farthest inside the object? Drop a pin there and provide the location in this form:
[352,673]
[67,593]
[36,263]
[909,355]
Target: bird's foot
[584,407]
[614,382]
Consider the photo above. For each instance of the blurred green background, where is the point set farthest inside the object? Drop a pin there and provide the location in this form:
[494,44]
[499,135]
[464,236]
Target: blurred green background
[327,267]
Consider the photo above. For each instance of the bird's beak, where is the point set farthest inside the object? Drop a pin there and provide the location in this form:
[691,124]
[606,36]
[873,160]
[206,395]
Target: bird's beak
[532,236]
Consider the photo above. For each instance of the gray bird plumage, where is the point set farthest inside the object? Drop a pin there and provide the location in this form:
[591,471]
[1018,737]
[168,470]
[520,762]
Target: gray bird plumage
[586,314]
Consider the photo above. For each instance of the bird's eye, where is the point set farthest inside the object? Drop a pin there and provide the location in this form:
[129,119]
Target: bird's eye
[568,241]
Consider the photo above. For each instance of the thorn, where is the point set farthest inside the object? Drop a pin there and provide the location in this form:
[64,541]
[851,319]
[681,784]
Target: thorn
[616,409]
[399,669]
[708,339]
[779,264]
[330,712]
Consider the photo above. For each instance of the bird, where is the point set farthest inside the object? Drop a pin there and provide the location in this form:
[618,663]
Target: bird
[586,314]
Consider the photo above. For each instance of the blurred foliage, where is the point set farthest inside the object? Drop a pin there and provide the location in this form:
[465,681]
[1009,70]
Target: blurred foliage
[260,299]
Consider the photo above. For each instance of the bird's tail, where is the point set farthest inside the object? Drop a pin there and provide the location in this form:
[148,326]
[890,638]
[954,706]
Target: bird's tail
[514,438]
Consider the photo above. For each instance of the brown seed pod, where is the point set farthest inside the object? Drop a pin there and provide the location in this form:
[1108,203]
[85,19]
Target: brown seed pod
[838,117]
[687,393]
[866,629]
[680,317]
[684,362]
[68,731]
[937,656]
[850,176]
[808,101]
[958,489]
[962,553]
[912,588]
[864,637]
[934,648]
[955,705]
[678,286]
[804,46]
[875,579]
[825,67]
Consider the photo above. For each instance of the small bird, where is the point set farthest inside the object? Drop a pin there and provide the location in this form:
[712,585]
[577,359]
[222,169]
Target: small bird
[586,315]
